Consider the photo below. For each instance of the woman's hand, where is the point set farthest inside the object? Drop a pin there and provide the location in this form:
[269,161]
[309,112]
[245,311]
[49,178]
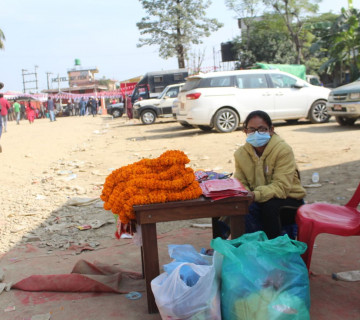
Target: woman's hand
[252,195]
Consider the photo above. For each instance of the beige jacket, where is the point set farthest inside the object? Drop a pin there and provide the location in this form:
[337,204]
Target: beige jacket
[273,175]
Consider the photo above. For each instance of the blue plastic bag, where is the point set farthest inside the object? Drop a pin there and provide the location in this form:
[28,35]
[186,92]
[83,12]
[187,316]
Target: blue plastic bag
[185,253]
[263,279]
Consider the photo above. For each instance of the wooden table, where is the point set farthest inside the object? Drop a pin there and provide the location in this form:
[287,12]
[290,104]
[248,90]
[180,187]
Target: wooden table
[148,215]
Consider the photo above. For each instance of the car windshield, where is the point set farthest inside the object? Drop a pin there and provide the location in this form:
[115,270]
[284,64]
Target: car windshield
[162,94]
[191,84]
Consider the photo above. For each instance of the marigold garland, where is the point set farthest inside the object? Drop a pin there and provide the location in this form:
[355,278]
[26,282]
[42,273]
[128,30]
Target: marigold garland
[149,181]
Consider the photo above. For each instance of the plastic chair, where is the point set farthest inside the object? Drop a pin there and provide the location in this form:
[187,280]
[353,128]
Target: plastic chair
[313,219]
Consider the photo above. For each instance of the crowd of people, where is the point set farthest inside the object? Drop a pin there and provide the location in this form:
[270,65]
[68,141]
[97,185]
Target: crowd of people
[27,109]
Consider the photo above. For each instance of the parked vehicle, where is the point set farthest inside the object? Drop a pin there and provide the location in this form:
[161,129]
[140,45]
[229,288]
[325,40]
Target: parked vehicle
[298,70]
[314,80]
[153,83]
[222,100]
[116,109]
[149,110]
[344,103]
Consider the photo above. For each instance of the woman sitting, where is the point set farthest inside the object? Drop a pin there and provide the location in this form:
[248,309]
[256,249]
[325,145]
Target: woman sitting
[266,166]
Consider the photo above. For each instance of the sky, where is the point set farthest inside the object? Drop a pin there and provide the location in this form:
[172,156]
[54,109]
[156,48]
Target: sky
[47,36]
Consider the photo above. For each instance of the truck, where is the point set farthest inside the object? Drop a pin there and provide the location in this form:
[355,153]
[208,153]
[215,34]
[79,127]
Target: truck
[150,109]
[153,83]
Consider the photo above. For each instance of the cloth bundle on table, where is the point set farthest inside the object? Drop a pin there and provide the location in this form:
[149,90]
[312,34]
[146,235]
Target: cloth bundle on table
[222,188]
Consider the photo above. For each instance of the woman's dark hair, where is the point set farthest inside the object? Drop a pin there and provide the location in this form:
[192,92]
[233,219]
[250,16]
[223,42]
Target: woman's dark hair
[258,113]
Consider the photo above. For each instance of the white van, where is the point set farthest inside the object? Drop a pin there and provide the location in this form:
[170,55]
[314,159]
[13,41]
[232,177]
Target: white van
[222,100]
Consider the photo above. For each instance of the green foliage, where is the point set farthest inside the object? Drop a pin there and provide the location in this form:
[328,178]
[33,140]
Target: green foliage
[2,37]
[269,42]
[293,12]
[105,82]
[175,25]
[342,43]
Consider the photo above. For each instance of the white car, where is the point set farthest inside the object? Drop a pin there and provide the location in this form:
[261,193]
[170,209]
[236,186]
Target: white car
[222,100]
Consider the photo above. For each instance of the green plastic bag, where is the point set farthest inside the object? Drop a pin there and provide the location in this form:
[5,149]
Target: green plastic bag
[263,279]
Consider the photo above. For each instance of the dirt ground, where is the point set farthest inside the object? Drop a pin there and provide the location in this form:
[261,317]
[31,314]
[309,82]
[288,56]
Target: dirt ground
[47,168]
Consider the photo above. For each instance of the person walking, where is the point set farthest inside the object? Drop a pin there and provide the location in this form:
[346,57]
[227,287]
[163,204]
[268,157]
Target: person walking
[51,107]
[22,110]
[77,108]
[30,111]
[82,105]
[10,116]
[93,106]
[128,107]
[5,106]
[88,106]
[17,108]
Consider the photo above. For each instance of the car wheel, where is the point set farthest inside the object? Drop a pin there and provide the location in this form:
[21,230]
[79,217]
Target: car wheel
[186,125]
[343,121]
[148,117]
[318,112]
[117,113]
[226,120]
[205,128]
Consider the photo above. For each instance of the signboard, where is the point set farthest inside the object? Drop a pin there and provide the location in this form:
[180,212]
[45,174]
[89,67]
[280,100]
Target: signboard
[80,77]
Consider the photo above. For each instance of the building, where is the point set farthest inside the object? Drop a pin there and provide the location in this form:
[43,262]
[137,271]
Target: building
[81,81]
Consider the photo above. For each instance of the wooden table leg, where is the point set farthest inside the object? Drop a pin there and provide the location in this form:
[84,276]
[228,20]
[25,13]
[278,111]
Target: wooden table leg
[151,262]
[237,226]
[142,261]
[215,232]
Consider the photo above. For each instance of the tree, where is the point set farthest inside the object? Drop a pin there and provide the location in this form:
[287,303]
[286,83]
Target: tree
[246,11]
[339,44]
[2,37]
[196,60]
[174,25]
[315,51]
[345,38]
[293,11]
[268,42]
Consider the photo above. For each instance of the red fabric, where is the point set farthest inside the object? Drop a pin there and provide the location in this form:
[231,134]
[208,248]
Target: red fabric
[85,277]
[217,189]
[30,113]
[129,107]
[5,106]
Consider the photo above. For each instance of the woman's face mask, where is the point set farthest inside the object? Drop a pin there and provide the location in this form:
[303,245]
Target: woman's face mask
[258,140]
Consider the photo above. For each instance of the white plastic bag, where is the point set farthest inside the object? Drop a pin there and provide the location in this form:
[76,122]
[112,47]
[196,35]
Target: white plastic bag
[176,300]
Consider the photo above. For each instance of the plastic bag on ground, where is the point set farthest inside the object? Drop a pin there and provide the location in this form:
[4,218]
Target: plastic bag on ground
[176,300]
[263,279]
[186,253]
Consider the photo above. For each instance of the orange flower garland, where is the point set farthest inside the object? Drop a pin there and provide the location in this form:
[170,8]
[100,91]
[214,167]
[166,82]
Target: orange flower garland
[149,181]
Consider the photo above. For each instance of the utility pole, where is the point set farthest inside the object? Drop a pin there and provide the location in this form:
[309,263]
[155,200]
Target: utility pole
[47,77]
[33,75]
[214,59]
[58,76]
[36,79]
[23,76]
